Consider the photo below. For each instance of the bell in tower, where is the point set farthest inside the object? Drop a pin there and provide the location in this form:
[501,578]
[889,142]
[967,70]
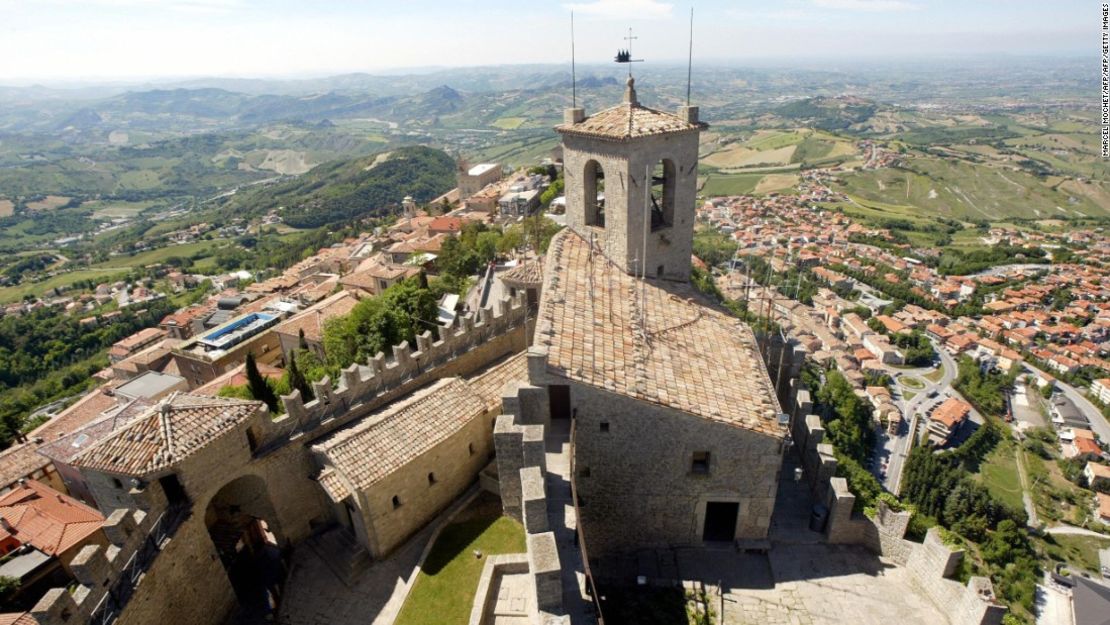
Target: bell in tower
[631,179]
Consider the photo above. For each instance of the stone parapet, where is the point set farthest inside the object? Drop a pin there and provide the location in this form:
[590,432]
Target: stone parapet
[109,574]
[543,562]
[363,387]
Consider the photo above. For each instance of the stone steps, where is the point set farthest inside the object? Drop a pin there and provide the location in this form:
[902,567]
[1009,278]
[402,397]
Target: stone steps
[341,553]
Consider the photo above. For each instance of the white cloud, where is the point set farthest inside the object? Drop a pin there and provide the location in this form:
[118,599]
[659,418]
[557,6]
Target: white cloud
[866,5]
[622,9]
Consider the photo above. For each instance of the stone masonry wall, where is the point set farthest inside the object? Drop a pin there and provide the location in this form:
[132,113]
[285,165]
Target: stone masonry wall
[471,343]
[454,463]
[635,480]
[521,467]
[624,164]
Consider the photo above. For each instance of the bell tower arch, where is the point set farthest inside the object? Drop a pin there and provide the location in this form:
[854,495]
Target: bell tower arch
[631,180]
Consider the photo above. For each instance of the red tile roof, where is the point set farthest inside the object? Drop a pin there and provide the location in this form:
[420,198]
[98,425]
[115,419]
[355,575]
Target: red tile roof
[47,519]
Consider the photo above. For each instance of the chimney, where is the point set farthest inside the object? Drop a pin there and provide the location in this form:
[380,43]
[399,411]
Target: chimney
[575,115]
[688,113]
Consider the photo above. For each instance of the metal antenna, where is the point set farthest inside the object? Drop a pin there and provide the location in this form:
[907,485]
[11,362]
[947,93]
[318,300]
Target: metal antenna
[690,57]
[573,80]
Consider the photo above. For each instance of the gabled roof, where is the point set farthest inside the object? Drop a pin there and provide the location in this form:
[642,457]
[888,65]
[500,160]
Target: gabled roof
[628,120]
[384,441]
[48,520]
[681,351]
[166,433]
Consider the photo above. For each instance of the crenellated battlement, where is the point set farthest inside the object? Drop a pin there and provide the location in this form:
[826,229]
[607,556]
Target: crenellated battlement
[108,575]
[364,387]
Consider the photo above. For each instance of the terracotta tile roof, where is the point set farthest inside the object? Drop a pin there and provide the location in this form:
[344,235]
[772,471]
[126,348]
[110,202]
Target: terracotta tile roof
[951,412]
[313,318]
[22,459]
[17,618]
[390,438]
[694,356]
[333,485]
[529,272]
[167,433]
[628,120]
[490,383]
[47,519]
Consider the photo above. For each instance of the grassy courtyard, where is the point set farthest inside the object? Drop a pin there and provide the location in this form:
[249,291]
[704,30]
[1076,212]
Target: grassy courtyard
[444,590]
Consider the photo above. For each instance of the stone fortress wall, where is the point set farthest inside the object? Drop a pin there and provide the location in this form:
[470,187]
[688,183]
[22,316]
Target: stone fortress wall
[267,463]
[931,564]
[522,468]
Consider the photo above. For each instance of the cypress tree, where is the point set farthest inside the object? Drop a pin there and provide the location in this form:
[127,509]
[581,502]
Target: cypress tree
[298,381]
[301,341]
[259,387]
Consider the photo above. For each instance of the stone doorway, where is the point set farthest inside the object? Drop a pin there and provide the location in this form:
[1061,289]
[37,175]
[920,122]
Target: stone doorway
[720,521]
[559,397]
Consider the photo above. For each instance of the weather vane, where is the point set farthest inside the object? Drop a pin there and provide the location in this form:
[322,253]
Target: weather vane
[625,56]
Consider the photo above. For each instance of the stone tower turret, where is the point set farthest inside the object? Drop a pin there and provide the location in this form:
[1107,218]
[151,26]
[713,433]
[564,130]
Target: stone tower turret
[631,179]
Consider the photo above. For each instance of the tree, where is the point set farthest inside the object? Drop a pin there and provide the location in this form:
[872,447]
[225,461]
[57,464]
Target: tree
[297,380]
[8,587]
[259,386]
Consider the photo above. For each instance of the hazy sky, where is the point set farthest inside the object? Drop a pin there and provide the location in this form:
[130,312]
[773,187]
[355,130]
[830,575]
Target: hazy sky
[96,39]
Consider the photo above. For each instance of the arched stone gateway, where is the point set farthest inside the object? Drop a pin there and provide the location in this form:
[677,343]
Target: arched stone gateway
[244,529]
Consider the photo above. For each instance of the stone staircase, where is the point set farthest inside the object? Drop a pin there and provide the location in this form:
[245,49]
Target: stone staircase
[342,554]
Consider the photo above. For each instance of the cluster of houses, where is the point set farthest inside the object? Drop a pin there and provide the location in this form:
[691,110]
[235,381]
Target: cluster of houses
[201,349]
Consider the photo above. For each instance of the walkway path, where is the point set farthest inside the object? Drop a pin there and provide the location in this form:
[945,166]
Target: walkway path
[1026,496]
[1077,531]
[563,521]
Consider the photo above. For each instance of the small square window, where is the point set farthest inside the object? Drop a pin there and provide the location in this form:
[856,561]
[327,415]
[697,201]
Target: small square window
[700,463]
[396,502]
[117,483]
[604,426]
[431,479]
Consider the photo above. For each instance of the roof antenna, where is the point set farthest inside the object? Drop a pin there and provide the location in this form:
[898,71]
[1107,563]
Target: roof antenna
[690,57]
[573,80]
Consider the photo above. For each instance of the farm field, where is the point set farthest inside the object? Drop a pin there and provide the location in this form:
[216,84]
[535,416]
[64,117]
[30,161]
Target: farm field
[965,190]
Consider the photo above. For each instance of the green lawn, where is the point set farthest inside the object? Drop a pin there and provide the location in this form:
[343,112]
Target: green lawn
[935,376]
[910,381]
[444,590]
[999,473]
[1077,551]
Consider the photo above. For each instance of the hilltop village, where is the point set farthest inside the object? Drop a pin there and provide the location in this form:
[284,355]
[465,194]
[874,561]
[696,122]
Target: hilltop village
[581,389]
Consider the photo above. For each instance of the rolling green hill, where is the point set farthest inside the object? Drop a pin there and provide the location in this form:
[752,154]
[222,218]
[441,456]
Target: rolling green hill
[344,190]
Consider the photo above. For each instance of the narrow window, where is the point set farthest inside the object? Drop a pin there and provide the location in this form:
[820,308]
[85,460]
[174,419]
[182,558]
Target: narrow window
[470,448]
[431,479]
[659,271]
[593,184]
[700,463]
[396,502]
[604,426]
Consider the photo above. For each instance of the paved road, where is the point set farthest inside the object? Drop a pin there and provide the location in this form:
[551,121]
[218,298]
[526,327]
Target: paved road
[1099,424]
[897,448]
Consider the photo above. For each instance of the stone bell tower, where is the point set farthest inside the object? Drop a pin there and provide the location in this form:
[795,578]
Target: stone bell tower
[631,177]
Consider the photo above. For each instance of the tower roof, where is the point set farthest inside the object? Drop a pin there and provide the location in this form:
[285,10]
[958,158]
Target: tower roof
[628,120]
